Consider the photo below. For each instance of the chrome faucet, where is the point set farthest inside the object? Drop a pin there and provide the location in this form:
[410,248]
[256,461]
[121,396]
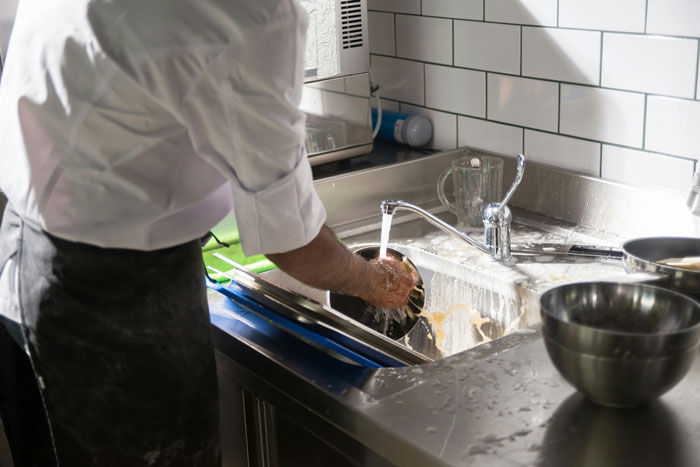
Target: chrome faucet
[496,217]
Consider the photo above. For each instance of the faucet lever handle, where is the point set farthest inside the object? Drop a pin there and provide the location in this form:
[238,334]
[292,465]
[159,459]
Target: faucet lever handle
[518,178]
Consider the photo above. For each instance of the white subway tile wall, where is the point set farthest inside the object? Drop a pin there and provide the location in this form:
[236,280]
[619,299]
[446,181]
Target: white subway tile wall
[401,80]
[522,101]
[455,90]
[674,17]
[425,39]
[673,126]
[462,9]
[568,153]
[645,168]
[603,15]
[486,46]
[489,136]
[658,65]
[395,6]
[390,105]
[697,88]
[602,114]
[562,54]
[381,30]
[606,88]
[538,12]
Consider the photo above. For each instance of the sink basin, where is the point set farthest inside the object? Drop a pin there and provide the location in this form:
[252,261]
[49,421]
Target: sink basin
[465,306]
[470,298]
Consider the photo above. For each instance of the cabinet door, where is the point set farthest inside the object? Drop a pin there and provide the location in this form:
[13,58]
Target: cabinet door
[298,447]
[232,423]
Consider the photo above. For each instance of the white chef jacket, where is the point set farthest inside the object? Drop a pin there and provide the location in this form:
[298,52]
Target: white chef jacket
[140,124]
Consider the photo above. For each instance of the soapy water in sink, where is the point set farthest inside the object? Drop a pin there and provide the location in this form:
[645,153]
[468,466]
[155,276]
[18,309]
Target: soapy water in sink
[392,323]
[465,306]
[470,330]
[466,313]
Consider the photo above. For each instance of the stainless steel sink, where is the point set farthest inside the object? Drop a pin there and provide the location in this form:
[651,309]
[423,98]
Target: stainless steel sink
[471,299]
[465,306]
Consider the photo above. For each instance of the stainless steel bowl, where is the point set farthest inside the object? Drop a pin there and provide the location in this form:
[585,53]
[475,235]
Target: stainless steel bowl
[620,344]
[394,323]
[644,254]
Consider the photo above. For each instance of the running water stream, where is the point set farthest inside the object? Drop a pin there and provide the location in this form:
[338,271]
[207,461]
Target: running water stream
[384,239]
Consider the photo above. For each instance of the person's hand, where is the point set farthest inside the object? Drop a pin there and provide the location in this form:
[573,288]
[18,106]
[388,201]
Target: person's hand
[390,286]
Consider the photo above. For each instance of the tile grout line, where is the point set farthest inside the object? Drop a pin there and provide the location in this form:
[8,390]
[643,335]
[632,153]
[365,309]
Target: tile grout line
[697,73]
[425,88]
[558,13]
[395,36]
[486,98]
[646,15]
[644,123]
[483,10]
[456,131]
[453,43]
[537,78]
[521,50]
[563,135]
[600,162]
[559,110]
[565,28]
[549,132]
[600,71]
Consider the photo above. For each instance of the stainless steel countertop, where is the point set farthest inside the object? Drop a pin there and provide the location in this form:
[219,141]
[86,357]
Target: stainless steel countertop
[382,154]
[502,403]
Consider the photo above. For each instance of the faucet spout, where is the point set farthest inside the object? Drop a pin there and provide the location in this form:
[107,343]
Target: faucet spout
[391,206]
[388,206]
[496,216]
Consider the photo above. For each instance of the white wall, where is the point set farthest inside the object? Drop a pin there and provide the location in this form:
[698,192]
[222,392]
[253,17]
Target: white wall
[605,88]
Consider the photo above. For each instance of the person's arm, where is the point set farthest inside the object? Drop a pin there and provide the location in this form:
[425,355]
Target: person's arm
[326,264]
[241,110]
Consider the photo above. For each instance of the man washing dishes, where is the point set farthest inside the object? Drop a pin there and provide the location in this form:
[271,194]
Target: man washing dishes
[128,129]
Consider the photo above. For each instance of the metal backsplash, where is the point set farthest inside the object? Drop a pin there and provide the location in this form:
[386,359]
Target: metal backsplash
[623,210]
[588,202]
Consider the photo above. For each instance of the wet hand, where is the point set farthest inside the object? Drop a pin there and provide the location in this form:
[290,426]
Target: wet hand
[390,285]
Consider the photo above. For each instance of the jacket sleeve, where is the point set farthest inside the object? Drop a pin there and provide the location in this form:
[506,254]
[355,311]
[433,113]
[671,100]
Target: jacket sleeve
[242,114]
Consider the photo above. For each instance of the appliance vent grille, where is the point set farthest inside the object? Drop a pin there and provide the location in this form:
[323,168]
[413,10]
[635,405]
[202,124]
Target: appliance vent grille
[351,23]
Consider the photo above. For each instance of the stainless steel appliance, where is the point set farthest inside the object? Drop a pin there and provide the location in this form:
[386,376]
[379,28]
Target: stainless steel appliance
[336,95]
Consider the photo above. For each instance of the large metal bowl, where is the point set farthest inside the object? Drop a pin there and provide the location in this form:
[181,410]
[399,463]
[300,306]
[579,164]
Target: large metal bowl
[644,254]
[620,344]
[394,323]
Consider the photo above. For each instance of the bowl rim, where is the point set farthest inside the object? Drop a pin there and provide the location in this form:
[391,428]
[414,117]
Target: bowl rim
[551,340]
[688,329]
[662,267]
[418,312]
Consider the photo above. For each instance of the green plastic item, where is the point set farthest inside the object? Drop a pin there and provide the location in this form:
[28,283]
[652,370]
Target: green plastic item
[255,263]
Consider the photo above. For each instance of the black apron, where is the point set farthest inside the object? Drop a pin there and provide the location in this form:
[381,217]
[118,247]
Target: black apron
[120,350]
